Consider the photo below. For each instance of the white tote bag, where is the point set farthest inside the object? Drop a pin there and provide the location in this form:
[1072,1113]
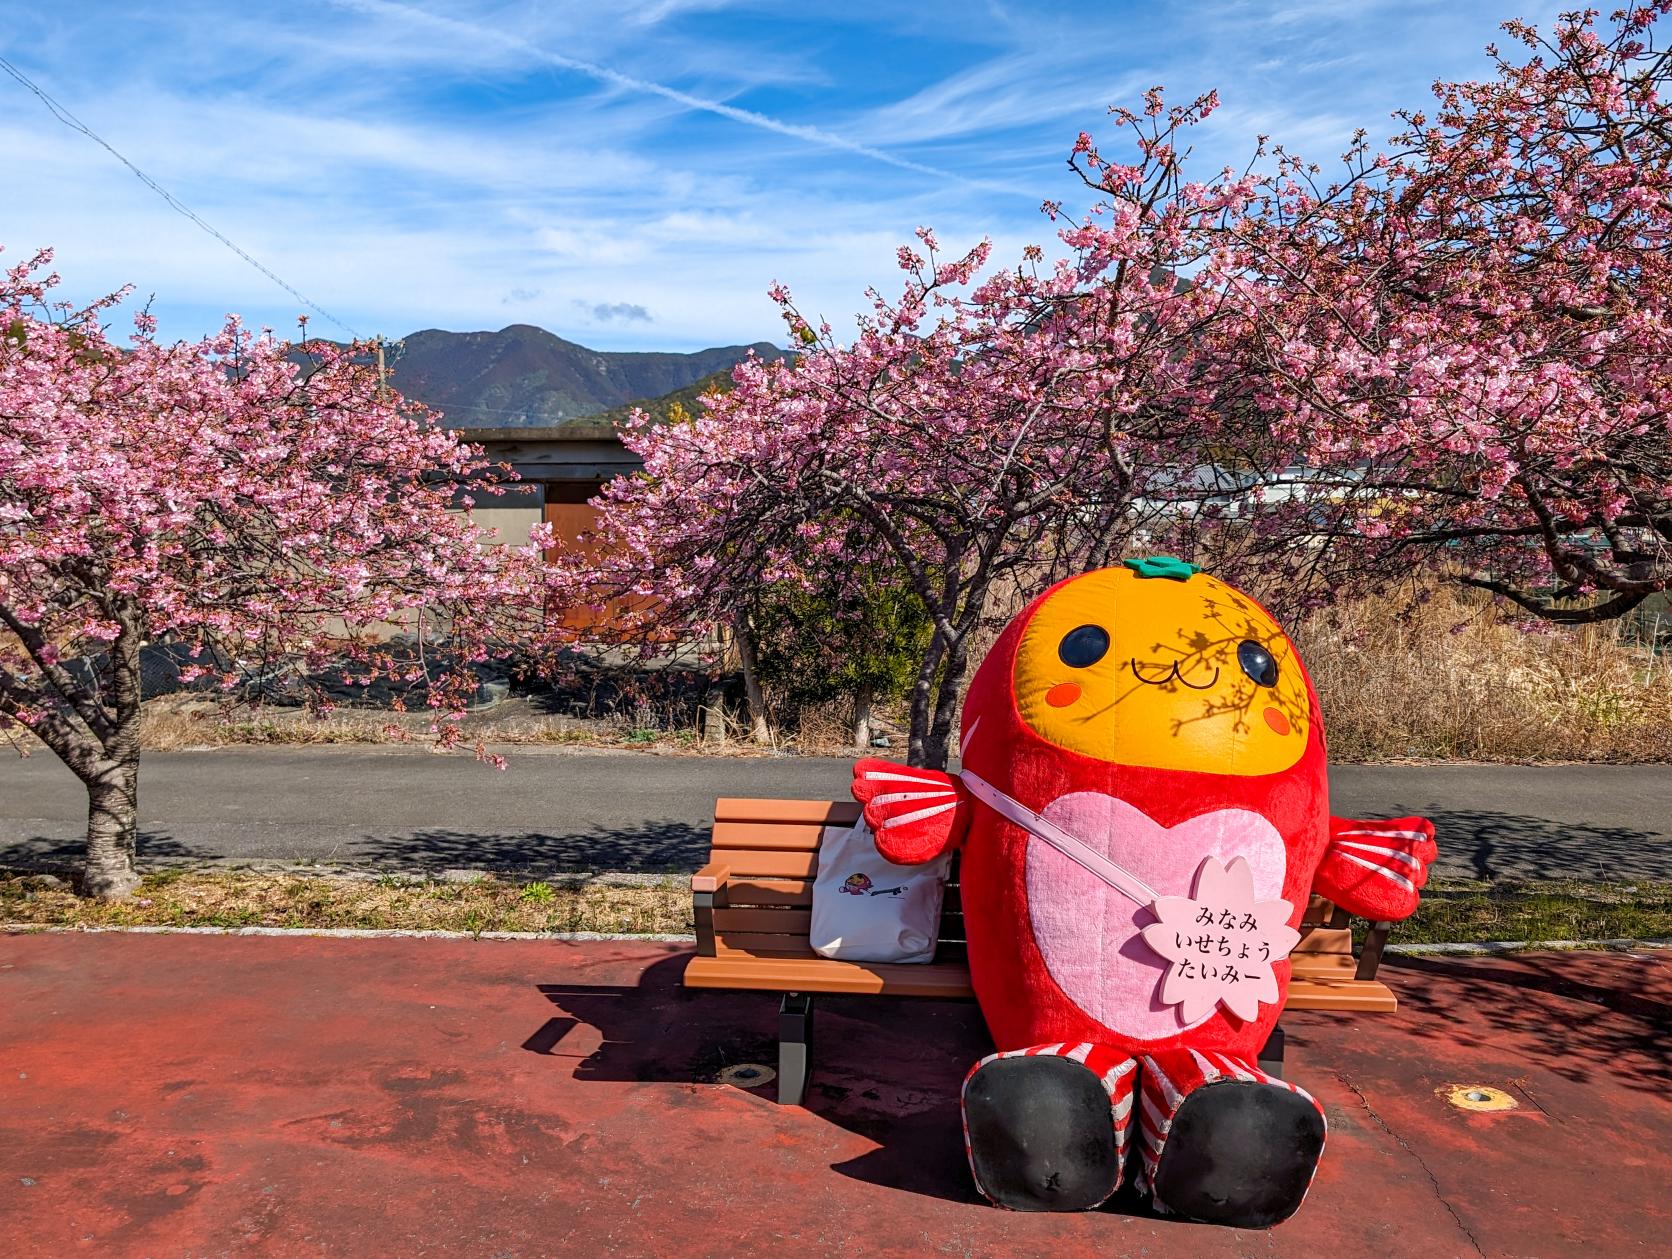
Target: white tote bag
[866,909]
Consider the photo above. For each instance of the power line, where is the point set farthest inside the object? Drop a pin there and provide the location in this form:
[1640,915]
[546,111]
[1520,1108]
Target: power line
[75,124]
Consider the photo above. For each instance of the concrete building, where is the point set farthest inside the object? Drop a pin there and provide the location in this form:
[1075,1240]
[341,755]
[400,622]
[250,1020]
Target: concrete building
[559,468]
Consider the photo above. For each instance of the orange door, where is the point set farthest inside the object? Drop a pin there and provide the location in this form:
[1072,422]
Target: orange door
[572,520]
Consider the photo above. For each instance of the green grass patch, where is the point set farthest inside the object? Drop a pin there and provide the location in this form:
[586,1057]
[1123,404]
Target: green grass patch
[178,898]
[1470,912]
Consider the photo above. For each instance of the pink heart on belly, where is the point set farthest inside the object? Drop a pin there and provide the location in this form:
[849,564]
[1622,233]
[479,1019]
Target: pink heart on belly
[1088,933]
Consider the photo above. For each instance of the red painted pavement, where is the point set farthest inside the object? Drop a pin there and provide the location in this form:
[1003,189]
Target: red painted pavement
[195,1096]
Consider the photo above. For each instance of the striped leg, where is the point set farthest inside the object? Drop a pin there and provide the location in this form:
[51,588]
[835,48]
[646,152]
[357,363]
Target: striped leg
[1223,1142]
[1045,1128]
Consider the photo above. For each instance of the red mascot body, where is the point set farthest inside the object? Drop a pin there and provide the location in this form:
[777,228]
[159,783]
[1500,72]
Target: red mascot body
[1128,726]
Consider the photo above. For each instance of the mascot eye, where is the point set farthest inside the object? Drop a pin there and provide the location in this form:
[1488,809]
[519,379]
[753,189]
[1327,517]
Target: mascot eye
[1257,662]
[1084,646]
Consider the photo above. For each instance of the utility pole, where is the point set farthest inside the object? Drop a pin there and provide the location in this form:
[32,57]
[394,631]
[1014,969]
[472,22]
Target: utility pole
[382,372]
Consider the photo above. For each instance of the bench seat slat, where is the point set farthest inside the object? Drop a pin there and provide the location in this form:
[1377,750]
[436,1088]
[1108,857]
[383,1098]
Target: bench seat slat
[1365,996]
[774,943]
[949,980]
[806,972]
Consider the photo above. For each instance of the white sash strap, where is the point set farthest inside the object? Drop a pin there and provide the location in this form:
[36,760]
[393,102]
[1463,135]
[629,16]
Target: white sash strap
[1047,831]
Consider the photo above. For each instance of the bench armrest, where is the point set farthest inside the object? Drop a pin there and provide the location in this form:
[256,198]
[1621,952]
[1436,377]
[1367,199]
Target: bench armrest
[711,878]
[708,888]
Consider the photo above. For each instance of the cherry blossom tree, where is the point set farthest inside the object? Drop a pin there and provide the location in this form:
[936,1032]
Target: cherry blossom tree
[248,498]
[981,434]
[1454,356]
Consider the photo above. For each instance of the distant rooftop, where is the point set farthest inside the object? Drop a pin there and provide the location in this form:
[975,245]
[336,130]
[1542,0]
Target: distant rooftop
[582,429]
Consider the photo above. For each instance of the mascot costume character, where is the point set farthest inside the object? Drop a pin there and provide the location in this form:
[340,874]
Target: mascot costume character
[1143,814]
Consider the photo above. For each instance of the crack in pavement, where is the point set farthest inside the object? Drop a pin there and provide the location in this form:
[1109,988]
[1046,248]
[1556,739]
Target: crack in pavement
[1433,1180]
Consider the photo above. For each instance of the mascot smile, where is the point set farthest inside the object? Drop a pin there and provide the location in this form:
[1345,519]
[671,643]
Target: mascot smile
[1143,814]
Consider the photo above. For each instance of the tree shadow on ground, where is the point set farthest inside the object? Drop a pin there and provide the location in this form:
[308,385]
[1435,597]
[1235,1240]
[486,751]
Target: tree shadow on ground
[647,847]
[1476,843]
[52,854]
[1568,1012]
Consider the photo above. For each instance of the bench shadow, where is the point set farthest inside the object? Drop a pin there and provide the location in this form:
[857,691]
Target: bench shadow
[900,1092]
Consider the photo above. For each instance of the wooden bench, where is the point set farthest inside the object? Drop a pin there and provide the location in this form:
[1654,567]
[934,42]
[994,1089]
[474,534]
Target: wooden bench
[753,903]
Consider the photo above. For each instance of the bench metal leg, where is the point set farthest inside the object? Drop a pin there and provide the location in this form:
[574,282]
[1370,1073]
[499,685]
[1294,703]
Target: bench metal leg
[1370,956]
[795,1047]
[1271,1057]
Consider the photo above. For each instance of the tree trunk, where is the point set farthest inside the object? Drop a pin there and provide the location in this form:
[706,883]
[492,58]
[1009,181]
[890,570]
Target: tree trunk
[758,729]
[713,715]
[917,739]
[863,697]
[112,830]
[938,744]
[113,786]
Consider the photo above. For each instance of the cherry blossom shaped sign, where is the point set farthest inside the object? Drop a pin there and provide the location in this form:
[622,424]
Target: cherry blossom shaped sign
[1221,943]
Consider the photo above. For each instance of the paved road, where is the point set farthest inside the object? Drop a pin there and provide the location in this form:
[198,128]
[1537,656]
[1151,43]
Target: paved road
[407,808]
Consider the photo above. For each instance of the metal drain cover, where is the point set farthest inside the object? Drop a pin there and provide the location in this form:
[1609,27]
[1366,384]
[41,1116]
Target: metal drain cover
[747,1075]
[1482,1097]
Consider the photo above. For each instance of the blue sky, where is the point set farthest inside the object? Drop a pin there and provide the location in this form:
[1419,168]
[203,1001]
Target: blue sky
[631,175]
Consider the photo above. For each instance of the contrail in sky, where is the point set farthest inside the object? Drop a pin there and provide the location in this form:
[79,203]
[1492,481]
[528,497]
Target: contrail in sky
[603,74]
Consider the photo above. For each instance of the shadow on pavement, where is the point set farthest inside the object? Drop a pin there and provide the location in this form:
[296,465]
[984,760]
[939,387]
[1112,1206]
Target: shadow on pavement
[1535,1005]
[659,1031]
[890,1070]
[1485,845]
[648,846]
[46,853]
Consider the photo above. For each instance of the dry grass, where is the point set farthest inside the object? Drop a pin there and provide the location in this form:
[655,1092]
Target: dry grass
[173,724]
[825,729]
[1454,679]
[248,899]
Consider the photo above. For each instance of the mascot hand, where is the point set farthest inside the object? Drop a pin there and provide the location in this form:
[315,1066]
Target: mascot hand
[1376,870]
[915,814]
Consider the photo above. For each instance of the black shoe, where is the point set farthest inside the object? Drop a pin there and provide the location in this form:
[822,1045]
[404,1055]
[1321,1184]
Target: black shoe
[1239,1153]
[1041,1134]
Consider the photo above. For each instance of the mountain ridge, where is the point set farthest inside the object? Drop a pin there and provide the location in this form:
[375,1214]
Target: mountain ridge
[524,376]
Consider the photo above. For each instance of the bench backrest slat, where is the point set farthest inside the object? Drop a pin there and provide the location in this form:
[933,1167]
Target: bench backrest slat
[778,836]
[823,812]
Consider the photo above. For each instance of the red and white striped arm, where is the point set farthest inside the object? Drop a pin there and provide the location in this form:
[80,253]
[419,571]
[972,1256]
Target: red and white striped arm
[1377,870]
[915,814]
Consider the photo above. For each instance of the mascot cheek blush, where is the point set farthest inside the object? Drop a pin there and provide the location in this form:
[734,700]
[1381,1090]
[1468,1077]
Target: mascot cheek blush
[1143,813]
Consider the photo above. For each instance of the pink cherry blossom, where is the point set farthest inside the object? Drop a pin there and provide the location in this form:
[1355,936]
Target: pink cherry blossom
[251,499]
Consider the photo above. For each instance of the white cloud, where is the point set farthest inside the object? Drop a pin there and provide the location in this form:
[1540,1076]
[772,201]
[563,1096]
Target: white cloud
[418,167]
